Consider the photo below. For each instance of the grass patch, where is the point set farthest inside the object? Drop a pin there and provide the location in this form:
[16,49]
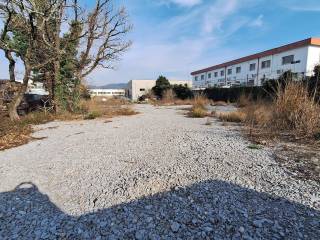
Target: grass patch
[296,111]
[16,133]
[294,114]
[236,116]
[199,107]
[108,108]
[255,147]
[92,115]
[197,112]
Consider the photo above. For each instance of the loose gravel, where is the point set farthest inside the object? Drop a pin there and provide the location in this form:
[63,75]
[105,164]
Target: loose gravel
[156,175]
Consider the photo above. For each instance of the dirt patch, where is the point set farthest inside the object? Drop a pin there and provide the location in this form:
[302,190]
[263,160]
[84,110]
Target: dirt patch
[302,161]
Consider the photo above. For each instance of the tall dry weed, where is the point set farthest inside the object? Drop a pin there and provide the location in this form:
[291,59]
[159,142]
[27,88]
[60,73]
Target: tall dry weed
[295,110]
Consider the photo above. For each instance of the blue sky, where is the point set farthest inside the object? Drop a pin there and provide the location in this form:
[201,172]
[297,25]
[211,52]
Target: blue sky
[176,37]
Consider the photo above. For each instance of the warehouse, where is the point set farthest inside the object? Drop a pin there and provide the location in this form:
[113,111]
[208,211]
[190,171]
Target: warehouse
[299,57]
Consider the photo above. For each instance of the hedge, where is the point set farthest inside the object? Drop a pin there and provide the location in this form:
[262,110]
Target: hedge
[234,93]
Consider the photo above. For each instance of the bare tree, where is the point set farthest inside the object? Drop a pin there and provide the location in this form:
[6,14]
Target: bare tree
[105,38]
[39,26]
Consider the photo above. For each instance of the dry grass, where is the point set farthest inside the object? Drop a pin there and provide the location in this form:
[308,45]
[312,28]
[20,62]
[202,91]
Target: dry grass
[169,99]
[199,107]
[197,112]
[258,114]
[220,103]
[296,111]
[293,113]
[168,96]
[16,133]
[13,134]
[109,108]
[244,101]
[237,116]
[200,101]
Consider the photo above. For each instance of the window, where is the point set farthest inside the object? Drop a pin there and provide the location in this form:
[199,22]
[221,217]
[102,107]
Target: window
[252,66]
[209,75]
[222,73]
[229,71]
[287,60]
[266,64]
[202,77]
[196,78]
[142,89]
[216,74]
[238,70]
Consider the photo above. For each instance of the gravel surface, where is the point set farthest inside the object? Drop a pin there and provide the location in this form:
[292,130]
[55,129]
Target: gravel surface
[156,175]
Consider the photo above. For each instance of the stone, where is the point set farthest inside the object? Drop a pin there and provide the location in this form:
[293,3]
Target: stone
[175,226]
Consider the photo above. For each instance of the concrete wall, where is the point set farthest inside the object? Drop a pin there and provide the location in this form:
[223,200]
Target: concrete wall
[313,58]
[305,57]
[138,88]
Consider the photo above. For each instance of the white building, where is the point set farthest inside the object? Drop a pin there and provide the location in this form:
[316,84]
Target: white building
[107,92]
[138,88]
[299,57]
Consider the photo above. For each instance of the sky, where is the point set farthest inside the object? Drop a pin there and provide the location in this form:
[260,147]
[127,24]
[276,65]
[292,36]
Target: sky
[175,37]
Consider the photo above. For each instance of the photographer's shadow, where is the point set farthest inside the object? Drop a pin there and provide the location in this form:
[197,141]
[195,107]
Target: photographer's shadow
[207,210]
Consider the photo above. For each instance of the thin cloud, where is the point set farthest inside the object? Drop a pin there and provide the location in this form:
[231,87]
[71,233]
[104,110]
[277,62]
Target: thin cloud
[258,22]
[302,6]
[218,13]
[183,3]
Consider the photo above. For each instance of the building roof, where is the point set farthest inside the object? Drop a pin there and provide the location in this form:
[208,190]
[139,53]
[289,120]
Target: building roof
[291,46]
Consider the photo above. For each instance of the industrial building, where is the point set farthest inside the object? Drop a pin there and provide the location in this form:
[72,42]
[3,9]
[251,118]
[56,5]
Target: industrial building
[300,57]
[107,92]
[138,88]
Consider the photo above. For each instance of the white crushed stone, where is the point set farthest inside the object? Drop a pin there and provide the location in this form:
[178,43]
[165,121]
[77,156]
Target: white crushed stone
[156,175]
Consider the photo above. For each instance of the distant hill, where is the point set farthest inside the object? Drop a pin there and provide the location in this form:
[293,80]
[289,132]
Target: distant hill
[110,86]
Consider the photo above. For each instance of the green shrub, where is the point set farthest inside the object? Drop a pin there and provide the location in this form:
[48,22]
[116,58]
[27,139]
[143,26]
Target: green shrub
[92,115]
[182,91]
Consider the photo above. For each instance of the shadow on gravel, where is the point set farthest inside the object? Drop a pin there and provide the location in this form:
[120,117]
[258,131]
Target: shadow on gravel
[206,210]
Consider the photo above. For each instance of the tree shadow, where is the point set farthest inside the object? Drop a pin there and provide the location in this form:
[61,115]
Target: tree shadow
[206,210]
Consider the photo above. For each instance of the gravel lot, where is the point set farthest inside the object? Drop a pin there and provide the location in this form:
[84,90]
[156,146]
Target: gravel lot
[156,175]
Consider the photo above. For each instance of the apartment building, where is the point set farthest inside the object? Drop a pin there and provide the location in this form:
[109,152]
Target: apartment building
[300,57]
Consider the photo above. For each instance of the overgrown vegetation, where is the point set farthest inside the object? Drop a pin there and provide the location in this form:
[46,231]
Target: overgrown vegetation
[96,107]
[294,112]
[16,133]
[166,92]
[236,117]
[60,43]
[199,107]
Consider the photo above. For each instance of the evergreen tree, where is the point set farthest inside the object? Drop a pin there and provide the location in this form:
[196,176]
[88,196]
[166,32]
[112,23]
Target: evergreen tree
[68,87]
[162,84]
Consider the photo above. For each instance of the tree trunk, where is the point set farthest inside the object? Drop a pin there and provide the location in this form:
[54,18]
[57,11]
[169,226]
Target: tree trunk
[12,64]
[55,81]
[56,63]
[13,106]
